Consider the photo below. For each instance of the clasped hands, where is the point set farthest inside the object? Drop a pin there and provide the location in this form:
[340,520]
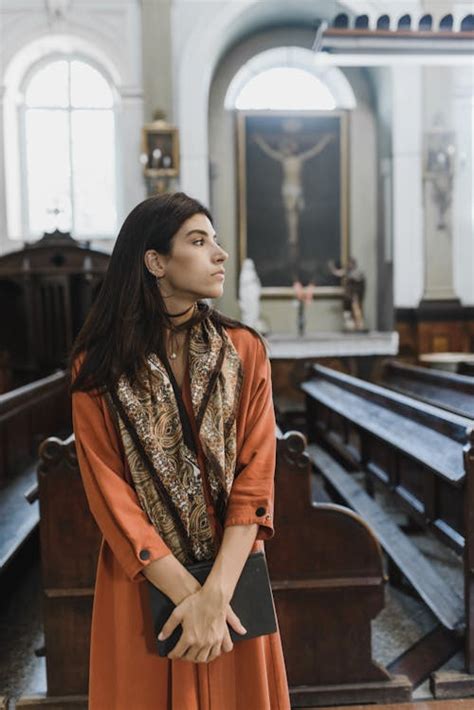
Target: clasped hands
[205,632]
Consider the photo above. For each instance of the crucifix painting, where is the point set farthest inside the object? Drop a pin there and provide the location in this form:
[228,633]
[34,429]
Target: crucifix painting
[292,182]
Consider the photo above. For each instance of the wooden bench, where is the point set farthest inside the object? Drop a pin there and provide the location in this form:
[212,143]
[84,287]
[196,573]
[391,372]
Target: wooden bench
[425,456]
[326,576]
[27,415]
[440,388]
[328,584]
[466,368]
[70,542]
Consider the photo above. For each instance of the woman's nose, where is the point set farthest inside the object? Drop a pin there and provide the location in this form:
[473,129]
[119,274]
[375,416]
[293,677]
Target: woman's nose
[222,255]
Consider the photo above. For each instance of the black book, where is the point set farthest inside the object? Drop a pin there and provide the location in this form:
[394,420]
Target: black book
[252,602]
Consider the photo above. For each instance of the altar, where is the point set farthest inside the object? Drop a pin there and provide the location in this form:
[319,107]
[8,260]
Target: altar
[285,346]
[356,353]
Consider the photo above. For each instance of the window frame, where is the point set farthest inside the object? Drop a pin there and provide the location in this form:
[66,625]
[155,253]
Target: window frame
[51,57]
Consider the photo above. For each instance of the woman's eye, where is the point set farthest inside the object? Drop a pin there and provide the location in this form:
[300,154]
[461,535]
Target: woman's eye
[201,241]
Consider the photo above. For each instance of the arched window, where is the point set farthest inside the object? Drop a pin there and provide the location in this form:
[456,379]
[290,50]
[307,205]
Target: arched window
[67,144]
[289,78]
[285,88]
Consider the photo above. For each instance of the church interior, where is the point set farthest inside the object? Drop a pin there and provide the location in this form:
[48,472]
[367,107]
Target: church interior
[333,144]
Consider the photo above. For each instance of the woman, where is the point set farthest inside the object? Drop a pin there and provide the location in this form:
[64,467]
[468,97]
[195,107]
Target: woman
[175,437]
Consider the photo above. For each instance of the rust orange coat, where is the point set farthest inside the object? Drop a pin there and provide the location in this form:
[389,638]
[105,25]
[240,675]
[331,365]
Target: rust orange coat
[125,671]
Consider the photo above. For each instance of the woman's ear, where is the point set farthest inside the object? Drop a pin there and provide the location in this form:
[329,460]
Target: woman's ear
[154,262]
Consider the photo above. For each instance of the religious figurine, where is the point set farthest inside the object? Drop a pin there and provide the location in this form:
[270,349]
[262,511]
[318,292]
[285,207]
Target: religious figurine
[304,294]
[353,284]
[249,295]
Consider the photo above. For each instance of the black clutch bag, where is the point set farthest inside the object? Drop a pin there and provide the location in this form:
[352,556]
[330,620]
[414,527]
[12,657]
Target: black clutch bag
[252,602]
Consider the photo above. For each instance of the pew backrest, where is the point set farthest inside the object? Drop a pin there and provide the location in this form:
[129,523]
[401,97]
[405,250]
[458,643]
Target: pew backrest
[412,447]
[28,415]
[437,387]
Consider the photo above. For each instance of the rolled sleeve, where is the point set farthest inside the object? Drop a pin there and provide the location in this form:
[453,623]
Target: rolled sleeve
[251,498]
[112,500]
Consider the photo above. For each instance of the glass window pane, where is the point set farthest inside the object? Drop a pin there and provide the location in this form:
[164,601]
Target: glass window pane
[93,159]
[49,86]
[285,88]
[48,170]
[89,89]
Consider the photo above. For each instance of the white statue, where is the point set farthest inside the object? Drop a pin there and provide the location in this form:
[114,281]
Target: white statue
[249,295]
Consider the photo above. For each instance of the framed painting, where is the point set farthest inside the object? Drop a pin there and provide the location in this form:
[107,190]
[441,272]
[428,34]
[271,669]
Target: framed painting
[160,150]
[293,197]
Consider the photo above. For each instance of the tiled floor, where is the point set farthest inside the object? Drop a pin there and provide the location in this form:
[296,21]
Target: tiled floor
[21,671]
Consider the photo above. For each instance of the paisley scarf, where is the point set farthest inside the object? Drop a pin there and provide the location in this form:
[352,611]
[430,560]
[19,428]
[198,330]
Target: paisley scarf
[159,445]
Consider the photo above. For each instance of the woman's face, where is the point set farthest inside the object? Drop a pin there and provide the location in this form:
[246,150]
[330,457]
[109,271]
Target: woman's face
[194,268]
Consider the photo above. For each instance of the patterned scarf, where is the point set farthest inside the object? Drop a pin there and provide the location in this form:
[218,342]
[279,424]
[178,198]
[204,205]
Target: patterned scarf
[159,445]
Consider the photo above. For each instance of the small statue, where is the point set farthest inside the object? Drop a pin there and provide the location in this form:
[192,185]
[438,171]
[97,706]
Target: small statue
[304,294]
[249,295]
[353,284]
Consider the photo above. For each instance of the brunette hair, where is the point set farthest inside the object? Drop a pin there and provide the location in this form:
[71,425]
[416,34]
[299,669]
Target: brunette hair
[125,323]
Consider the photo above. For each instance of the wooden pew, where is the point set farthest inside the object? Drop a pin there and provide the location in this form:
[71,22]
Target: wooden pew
[27,415]
[328,584]
[326,575]
[425,456]
[466,368]
[438,387]
[70,542]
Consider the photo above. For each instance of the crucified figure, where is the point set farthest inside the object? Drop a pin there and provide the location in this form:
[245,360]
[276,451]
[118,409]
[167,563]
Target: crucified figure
[291,186]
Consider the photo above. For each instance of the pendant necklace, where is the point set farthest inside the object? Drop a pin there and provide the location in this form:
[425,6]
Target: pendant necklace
[173,354]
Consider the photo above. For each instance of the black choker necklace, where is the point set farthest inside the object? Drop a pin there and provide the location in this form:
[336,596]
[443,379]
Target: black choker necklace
[175,315]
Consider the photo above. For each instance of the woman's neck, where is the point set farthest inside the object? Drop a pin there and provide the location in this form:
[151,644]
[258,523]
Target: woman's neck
[180,313]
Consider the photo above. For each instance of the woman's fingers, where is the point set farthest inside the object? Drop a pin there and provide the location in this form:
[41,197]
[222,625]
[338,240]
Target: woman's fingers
[193,653]
[215,652]
[234,621]
[202,655]
[180,649]
[173,621]
[227,644]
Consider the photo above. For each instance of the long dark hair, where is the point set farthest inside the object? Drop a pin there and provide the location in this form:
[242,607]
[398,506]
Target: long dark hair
[125,324]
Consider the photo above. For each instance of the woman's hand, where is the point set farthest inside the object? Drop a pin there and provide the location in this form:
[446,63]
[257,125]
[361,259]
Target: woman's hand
[205,632]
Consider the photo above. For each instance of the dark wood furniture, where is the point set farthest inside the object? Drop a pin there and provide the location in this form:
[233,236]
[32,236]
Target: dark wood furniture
[27,416]
[425,456]
[325,662]
[466,368]
[70,542]
[442,389]
[328,583]
[435,326]
[359,354]
[46,291]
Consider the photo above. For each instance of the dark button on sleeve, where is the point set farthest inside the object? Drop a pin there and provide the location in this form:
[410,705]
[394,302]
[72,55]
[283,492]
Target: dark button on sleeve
[260,511]
[144,554]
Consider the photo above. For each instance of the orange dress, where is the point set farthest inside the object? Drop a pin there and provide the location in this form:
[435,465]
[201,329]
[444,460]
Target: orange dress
[126,673]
